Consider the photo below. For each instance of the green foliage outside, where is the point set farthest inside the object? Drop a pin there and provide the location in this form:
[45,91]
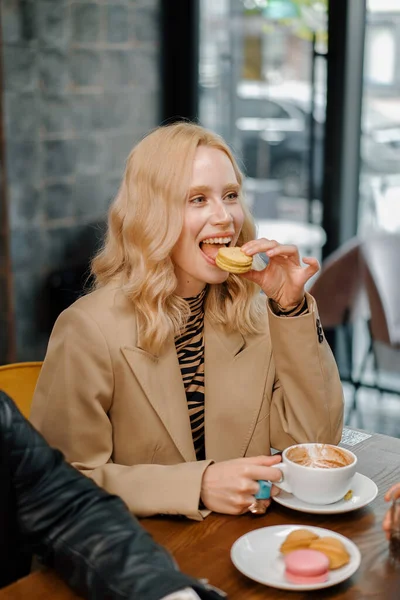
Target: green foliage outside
[307,17]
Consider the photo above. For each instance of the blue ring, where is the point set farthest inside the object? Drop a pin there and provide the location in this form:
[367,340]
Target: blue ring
[265,490]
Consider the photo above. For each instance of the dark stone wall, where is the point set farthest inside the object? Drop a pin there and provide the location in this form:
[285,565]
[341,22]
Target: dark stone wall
[80,87]
[6,341]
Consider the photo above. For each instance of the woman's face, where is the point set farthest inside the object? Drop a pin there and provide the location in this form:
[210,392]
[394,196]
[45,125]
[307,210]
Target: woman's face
[213,217]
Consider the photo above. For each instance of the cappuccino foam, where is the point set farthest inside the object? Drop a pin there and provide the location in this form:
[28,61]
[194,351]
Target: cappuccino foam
[322,456]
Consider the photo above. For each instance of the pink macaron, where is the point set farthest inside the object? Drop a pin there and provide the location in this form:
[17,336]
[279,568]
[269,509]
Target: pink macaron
[306,566]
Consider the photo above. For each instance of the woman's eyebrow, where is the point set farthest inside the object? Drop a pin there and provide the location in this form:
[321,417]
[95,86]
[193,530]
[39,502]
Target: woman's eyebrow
[205,189]
[232,187]
[199,189]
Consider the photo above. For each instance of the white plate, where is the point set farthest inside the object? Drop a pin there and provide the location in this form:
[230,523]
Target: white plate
[256,554]
[364,491]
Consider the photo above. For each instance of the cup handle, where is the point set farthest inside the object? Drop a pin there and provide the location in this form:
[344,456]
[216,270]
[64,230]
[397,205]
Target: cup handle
[282,484]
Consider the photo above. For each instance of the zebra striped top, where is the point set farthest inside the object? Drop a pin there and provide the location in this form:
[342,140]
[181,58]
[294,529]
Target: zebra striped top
[190,349]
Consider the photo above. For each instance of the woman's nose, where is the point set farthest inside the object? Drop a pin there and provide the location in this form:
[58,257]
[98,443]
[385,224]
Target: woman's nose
[220,214]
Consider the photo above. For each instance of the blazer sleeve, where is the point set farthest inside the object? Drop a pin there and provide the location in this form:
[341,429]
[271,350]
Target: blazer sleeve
[72,399]
[307,400]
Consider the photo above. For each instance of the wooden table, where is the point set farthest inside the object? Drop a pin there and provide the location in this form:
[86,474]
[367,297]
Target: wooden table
[203,549]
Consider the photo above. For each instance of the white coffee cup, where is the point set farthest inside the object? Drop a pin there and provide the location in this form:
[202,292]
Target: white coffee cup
[311,482]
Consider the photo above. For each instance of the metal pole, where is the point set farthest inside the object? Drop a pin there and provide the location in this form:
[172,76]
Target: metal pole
[179,59]
[311,133]
[346,33]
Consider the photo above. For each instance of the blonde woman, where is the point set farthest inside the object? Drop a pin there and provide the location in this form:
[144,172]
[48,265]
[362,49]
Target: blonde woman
[169,384]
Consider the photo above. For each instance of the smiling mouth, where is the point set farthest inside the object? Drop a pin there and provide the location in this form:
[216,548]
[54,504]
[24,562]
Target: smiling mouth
[210,246]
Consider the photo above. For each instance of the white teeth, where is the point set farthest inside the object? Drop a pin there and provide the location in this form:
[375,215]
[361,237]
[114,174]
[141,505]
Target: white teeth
[222,240]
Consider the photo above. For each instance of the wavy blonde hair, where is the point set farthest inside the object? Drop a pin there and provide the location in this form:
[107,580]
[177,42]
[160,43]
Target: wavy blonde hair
[144,223]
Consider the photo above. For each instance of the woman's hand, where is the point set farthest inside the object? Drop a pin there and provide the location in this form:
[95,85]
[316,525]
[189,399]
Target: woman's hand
[391,494]
[283,279]
[228,487]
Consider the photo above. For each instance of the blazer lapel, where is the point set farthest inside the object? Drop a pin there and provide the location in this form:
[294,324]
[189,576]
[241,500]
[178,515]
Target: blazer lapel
[161,380]
[235,375]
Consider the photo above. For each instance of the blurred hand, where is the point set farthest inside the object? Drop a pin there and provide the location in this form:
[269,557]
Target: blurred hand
[391,494]
[284,278]
[228,487]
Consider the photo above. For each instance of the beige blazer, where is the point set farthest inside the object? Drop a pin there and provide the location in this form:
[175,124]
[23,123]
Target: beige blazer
[119,414]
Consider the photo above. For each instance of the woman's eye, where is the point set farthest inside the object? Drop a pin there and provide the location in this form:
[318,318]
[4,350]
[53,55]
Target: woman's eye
[197,200]
[232,196]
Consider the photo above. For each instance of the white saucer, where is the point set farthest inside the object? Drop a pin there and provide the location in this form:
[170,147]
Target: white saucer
[364,491]
[256,555]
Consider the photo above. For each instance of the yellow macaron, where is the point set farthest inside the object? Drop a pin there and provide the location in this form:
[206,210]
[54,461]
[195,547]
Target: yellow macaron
[298,539]
[334,549]
[233,260]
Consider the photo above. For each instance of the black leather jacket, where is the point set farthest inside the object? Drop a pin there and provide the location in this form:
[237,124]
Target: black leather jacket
[87,535]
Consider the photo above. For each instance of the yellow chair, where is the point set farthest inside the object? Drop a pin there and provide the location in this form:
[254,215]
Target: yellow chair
[18,380]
